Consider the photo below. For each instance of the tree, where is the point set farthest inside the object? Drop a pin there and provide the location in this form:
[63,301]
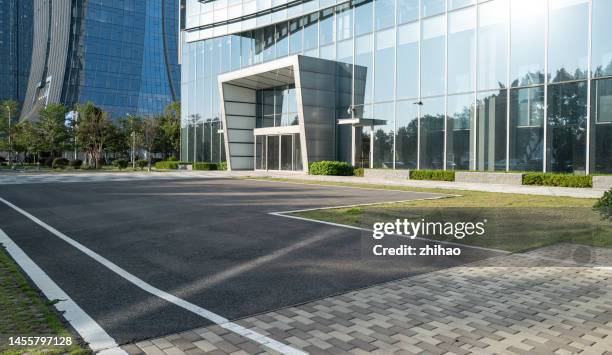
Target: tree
[171,129]
[93,131]
[27,139]
[9,110]
[150,131]
[131,126]
[52,127]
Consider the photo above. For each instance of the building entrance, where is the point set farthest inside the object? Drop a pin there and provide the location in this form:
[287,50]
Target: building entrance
[278,152]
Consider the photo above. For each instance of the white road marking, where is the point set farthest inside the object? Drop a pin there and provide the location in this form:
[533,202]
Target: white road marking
[288,214]
[213,317]
[89,330]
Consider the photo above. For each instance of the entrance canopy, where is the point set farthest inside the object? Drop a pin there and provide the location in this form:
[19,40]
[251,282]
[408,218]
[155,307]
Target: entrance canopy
[319,85]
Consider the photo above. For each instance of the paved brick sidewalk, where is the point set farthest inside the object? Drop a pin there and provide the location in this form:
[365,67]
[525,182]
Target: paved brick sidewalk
[536,306]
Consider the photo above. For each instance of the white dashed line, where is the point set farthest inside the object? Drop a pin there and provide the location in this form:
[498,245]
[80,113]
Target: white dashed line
[89,330]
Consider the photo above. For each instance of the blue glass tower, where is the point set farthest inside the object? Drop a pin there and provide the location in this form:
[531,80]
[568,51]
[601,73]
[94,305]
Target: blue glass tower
[120,55]
[15,48]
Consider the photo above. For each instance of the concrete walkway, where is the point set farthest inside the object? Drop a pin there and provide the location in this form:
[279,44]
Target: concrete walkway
[513,189]
[45,177]
[548,301]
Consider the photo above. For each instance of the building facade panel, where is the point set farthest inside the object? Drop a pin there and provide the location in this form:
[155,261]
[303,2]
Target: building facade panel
[489,85]
[16,28]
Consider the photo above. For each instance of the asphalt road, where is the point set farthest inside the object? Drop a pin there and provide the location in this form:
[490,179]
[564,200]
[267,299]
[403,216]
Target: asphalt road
[209,241]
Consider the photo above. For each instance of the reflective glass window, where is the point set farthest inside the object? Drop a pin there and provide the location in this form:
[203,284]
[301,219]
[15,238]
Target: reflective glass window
[269,48]
[385,62]
[568,42]
[282,40]
[461,46]
[457,4]
[363,17]
[602,45]
[601,126]
[259,45]
[226,53]
[236,51]
[383,136]
[363,58]
[491,112]
[326,27]
[295,36]
[311,33]
[567,115]
[345,51]
[459,140]
[492,44]
[527,62]
[406,138]
[408,65]
[432,7]
[527,129]
[247,48]
[344,22]
[433,56]
[385,13]
[407,11]
[432,134]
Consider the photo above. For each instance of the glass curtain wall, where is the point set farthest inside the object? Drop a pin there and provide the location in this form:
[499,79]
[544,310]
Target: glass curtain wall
[500,84]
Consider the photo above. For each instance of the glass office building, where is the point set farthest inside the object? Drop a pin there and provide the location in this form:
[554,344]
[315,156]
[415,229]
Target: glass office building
[15,48]
[495,85]
[122,55]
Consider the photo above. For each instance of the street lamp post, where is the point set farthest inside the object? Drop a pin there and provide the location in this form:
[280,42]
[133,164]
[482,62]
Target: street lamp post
[195,118]
[131,118]
[8,107]
[75,118]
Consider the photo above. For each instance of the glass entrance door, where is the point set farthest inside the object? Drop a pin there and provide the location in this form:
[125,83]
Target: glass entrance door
[278,152]
[273,152]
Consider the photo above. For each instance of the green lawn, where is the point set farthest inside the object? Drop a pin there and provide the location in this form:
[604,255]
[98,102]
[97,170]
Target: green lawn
[514,222]
[24,312]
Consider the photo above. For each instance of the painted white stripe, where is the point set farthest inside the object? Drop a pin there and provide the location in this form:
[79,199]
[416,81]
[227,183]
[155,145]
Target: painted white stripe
[213,317]
[287,214]
[89,330]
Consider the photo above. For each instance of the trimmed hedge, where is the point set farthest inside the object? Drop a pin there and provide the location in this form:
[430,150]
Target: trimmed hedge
[142,163]
[205,166]
[358,172]
[60,163]
[223,165]
[326,167]
[76,163]
[438,175]
[551,179]
[166,165]
[121,163]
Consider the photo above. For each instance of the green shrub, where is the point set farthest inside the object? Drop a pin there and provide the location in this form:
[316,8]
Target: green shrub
[205,166]
[76,163]
[326,167]
[166,165]
[142,163]
[121,163]
[171,158]
[604,205]
[59,163]
[438,175]
[551,179]
[358,172]
[223,165]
